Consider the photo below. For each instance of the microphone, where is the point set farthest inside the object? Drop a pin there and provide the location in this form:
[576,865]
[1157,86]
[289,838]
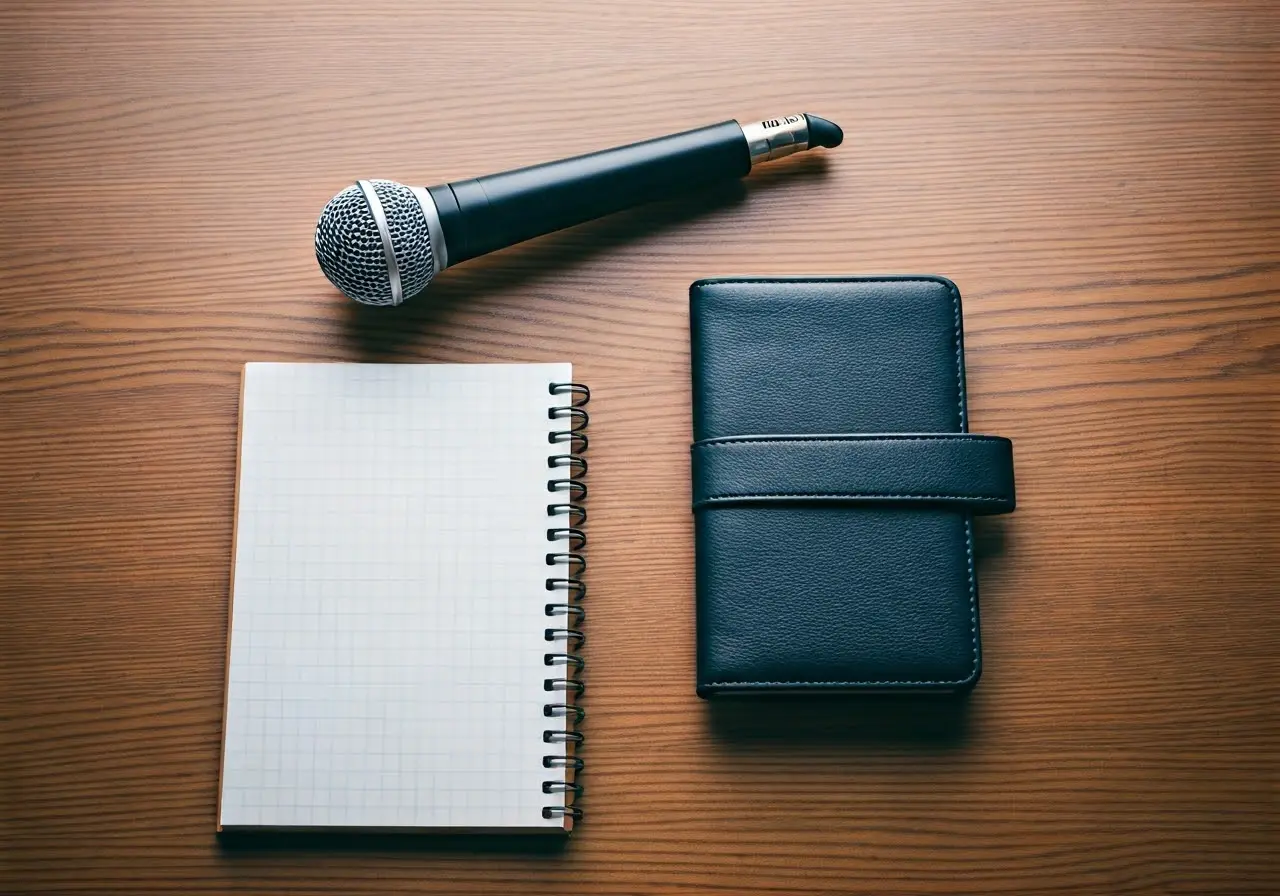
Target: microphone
[381,242]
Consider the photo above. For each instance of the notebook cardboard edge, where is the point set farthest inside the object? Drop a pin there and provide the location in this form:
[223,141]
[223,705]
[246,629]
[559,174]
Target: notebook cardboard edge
[231,596]
[264,831]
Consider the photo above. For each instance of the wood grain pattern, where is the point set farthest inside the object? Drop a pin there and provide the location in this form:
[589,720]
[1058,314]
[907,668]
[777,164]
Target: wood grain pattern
[1102,180]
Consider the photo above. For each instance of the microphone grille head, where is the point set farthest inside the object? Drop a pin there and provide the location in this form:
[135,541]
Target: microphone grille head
[369,264]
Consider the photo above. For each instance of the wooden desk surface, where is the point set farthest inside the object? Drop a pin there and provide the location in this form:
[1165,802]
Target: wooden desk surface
[1102,180]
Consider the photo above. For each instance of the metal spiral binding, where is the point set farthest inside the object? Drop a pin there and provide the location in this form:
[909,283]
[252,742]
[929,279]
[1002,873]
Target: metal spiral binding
[563,630]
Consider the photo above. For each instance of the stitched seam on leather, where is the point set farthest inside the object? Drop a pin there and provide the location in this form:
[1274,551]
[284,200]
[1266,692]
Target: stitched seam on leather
[773,440]
[719,684]
[968,525]
[848,495]
[733,281]
[941,437]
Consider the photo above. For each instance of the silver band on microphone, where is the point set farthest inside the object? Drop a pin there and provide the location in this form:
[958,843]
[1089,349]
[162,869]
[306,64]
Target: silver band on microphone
[380,219]
[439,251]
[774,138]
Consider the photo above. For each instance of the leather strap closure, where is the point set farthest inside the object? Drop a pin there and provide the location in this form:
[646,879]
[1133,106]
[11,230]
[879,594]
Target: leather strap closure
[971,473]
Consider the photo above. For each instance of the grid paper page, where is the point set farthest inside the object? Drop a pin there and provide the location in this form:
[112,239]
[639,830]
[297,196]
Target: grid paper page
[386,653]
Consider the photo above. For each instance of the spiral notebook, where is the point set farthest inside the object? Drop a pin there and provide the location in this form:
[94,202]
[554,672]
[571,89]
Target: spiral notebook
[404,627]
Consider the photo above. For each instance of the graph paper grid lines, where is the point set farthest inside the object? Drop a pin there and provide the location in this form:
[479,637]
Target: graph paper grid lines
[386,641]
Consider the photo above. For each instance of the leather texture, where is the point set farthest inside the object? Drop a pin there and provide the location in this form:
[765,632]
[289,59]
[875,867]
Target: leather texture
[969,472]
[850,593]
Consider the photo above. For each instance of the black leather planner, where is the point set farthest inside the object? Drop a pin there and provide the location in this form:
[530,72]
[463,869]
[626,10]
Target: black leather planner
[834,484]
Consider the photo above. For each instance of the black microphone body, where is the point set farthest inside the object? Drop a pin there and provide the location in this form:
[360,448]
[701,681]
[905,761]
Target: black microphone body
[381,242]
[488,213]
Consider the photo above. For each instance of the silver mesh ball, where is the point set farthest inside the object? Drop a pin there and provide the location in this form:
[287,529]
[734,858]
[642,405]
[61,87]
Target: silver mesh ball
[349,246]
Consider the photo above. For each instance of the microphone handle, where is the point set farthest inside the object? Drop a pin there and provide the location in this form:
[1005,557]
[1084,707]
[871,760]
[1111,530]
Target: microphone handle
[488,213]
